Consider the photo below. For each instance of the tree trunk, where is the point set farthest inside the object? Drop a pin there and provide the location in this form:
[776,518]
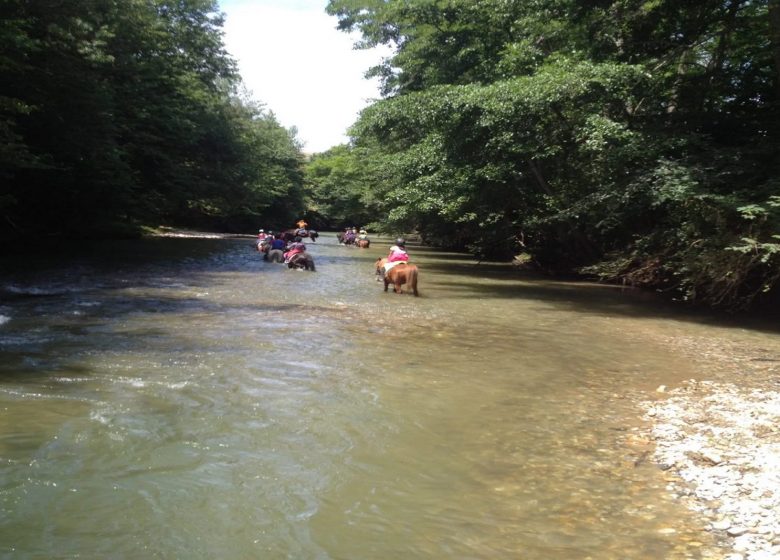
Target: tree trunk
[537,173]
[674,97]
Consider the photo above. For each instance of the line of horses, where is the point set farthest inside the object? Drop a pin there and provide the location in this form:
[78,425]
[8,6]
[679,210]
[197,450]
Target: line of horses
[299,261]
[399,275]
[355,241]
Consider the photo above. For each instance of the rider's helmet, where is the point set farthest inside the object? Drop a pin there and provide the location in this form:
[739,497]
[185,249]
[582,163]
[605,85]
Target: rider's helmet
[400,242]
[298,238]
[261,231]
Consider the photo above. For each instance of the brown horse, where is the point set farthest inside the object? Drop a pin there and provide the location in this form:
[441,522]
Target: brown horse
[401,274]
[363,243]
[274,256]
[302,261]
[378,266]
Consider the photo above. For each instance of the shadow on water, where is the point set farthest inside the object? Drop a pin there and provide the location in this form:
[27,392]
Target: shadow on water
[122,258]
[576,295]
[114,265]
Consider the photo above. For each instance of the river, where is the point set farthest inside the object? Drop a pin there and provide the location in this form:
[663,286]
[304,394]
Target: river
[181,398]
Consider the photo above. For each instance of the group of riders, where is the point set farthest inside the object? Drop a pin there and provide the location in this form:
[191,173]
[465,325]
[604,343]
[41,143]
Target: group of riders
[351,236]
[396,256]
[289,243]
[293,250]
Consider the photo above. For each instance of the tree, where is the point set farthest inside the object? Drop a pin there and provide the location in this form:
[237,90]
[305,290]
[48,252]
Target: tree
[121,114]
[619,138]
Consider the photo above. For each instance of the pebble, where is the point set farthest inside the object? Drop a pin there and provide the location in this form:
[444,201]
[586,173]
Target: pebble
[721,441]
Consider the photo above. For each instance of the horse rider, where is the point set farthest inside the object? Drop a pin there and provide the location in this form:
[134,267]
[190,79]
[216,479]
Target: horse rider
[263,241]
[296,247]
[397,255]
[278,243]
[363,234]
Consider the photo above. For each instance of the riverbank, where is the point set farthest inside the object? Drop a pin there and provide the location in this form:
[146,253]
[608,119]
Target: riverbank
[164,231]
[720,443]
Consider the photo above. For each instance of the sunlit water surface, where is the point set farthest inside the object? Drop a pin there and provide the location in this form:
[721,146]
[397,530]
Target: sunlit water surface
[180,398]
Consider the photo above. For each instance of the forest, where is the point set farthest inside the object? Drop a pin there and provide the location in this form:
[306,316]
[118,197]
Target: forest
[634,141]
[117,115]
[630,141]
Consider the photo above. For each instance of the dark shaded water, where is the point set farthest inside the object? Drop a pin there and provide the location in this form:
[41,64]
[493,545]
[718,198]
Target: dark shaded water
[180,398]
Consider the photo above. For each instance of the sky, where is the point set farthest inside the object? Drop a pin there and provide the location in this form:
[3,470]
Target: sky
[294,60]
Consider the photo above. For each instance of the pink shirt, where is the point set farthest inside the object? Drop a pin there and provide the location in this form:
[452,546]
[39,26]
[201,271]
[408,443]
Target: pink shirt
[397,255]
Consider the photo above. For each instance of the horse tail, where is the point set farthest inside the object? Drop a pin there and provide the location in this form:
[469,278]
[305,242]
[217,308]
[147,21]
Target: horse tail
[413,279]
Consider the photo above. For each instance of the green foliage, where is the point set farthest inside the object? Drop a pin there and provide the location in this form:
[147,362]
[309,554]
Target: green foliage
[115,114]
[628,139]
[338,187]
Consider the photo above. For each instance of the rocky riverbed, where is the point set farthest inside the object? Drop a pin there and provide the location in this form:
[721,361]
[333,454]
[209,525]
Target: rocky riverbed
[720,443]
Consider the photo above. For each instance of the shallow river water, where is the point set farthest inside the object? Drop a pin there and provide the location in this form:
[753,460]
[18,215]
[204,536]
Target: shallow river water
[180,398]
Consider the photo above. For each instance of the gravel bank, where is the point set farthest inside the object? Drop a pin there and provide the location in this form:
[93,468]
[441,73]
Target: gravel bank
[723,443]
